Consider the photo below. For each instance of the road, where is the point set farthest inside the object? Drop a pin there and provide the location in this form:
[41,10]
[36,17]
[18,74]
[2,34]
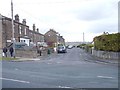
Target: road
[74,69]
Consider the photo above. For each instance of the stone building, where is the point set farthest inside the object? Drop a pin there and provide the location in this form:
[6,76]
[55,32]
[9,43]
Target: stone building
[53,38]
[35,36]
[20,30]
[0,31]
[22,33]
[61,40]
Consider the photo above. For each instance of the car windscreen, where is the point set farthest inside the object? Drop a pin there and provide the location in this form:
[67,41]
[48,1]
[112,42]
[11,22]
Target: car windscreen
[60,47]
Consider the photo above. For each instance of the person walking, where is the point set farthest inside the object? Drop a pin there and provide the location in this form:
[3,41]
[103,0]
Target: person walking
[40,51]
[5,51]
[11,50]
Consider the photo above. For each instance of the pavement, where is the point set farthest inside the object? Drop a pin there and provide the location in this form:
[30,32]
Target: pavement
[25,59]
[105,61]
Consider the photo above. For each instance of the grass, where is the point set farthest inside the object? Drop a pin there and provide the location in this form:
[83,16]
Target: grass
[7,58]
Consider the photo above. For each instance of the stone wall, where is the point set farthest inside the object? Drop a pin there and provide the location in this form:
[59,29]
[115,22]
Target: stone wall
[106,54]
[29,53]
[26,53]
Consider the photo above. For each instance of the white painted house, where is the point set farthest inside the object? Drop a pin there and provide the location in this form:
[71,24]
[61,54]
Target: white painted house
[25,40]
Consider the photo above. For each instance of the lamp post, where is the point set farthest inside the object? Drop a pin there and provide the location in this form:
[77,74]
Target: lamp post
[13,38]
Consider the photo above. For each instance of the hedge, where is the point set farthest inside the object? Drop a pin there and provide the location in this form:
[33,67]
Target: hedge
[110,42]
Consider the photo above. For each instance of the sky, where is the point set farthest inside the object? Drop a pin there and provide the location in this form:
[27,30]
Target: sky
[71,18]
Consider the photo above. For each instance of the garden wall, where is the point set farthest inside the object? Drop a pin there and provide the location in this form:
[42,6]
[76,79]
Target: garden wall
[106,54]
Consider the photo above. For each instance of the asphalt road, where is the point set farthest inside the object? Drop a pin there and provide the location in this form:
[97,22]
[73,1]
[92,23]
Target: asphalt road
[74,69]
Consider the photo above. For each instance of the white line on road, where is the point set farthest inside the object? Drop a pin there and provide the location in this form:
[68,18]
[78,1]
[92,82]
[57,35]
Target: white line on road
[64,87]
[104,77]
[15,80]
[16,69]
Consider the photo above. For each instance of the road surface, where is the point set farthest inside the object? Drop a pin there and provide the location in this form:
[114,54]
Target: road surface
[74,69]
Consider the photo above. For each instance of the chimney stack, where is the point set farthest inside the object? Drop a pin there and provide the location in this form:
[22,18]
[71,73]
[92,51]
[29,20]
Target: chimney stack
[38,30]
[34,27]
[17,17]
[24,21]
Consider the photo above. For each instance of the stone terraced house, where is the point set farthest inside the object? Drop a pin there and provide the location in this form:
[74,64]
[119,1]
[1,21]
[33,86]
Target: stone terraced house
[22,33]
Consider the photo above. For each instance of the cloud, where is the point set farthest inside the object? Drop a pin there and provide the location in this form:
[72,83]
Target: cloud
[68,17]
[95,10]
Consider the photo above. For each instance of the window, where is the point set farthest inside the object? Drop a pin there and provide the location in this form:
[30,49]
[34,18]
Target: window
[20,30]
[22,40]
[25,31]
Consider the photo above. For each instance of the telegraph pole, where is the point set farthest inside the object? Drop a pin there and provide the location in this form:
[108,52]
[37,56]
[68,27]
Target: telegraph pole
[13,31]
[83,38]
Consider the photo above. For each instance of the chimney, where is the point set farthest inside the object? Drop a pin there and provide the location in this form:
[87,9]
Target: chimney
[17,17]
[24,21]
[34,27]
[38,30]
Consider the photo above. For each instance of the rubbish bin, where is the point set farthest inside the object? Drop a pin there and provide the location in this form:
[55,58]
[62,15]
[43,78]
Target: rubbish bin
[48,52]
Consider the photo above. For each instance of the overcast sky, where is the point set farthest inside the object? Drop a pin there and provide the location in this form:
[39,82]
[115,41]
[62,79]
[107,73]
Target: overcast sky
[68,17]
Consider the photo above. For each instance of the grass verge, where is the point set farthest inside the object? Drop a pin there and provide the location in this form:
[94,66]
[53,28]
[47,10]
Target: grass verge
[7,58]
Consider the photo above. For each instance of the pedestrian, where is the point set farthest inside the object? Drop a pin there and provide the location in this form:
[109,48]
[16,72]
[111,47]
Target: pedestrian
[40,50]
[55,49]
[11,50]
[5,51]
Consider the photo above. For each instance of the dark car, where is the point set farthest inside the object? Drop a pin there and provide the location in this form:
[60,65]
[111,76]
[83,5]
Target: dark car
[61,49]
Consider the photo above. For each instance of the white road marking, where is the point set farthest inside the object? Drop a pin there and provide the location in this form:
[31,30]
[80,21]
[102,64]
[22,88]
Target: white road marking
[16,69]
[104,77]
[49,63]
[21,81]
[58,62]
[63,87]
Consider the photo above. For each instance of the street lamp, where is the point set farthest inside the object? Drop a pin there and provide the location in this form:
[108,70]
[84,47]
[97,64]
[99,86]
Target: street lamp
[83,38]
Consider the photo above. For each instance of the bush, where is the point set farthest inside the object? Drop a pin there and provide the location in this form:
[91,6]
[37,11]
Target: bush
[81,46]
[110,42]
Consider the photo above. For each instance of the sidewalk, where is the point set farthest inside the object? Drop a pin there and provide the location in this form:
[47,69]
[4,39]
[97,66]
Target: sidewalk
[111,61]
[108,61]
[21,59]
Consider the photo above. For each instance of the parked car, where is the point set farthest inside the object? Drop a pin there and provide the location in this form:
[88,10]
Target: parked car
[61,49]
[70,47]
[20,45]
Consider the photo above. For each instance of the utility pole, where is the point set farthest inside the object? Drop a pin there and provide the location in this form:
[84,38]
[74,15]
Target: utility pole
[13,32]
[83,38]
